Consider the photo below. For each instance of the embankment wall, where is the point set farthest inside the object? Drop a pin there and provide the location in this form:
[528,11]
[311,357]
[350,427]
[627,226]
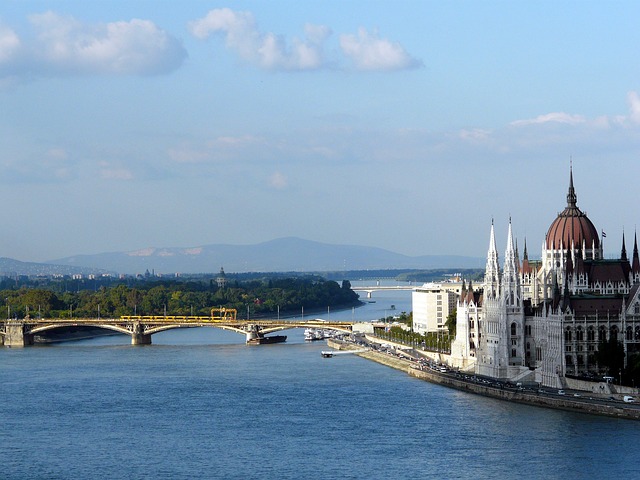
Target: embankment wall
[569,403]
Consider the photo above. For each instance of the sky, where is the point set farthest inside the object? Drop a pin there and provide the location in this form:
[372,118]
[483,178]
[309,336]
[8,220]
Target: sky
[405,125]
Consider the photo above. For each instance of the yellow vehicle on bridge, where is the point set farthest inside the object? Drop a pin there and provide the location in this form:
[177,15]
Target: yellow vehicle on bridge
[221,314]
[225,314]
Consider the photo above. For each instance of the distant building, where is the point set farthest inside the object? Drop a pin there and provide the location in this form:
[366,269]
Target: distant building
[221,279]
[543,320]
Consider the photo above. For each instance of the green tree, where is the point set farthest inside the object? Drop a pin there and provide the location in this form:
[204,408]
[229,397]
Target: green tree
[610,355]
[451,322]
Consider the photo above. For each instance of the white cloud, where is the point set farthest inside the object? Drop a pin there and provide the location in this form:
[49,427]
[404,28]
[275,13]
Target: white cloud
[267,50]
[58,153]
[108,172]
[278,181]
[187,155]
[63,45]
[599,122]
[555,117]
[9,44]
[368,51]
[634,106]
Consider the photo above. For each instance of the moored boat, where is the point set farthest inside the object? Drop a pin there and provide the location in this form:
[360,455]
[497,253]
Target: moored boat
[267,340]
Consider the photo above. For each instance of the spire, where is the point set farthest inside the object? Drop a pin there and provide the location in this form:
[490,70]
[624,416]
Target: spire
[492,272]
[635,266]
[463,292]
[569,265]
[510,280]
[526,268]
[470,296]
[572,200]
[623,253]
[579,264]
[510,268]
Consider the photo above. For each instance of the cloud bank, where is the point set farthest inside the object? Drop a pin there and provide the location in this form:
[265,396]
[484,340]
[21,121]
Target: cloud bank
[364,51]
[62,45]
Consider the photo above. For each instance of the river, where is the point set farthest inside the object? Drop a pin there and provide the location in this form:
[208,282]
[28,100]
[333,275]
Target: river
[198,403]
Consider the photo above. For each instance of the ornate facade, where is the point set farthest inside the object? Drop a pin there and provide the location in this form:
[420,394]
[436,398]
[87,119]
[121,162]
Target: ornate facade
[541,320]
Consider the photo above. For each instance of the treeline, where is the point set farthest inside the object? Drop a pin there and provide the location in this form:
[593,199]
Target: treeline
[258,297]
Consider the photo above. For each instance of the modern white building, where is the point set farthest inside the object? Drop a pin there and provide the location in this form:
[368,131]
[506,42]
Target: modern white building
[432,303]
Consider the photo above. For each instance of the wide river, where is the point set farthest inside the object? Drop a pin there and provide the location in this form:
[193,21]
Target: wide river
[199,403]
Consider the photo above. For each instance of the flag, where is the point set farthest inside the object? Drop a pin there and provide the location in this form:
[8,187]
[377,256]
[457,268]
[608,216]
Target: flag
[604,235]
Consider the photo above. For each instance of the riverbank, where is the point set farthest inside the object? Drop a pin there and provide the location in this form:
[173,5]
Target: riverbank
[471,384]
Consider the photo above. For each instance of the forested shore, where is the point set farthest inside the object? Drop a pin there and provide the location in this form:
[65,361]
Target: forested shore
[250,297]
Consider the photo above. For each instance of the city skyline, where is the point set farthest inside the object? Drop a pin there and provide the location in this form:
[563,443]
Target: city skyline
[407,126]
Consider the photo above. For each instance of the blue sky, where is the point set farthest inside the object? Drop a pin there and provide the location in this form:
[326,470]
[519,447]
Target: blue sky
[403,125]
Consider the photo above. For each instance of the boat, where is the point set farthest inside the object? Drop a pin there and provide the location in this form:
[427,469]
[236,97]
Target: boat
[263,340]
[313,334]
[326,354]
[310,335]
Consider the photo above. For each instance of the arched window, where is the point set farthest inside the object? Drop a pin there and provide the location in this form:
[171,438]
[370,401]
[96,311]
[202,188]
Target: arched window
[613,334]
[602,334]
[513,329]
[579,334]
[567,334]
[591,334]
[629,335]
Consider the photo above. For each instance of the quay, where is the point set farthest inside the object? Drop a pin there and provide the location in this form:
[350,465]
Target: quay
[434,372]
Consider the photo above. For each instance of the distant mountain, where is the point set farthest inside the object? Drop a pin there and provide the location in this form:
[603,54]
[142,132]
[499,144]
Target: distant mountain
[280,255]
[10,268]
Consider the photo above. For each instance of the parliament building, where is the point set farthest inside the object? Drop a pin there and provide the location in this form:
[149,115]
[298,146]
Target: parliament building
[540,320]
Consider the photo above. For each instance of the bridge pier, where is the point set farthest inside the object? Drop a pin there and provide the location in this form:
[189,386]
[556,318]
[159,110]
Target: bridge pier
[16,335]
[138,337]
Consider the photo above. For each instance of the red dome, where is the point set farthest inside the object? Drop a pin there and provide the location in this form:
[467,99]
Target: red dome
[572,227]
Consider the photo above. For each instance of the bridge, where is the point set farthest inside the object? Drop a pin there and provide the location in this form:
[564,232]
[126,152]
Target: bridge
[22,332]
[379,288]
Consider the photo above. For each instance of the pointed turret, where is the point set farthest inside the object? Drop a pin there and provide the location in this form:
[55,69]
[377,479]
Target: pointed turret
[578,268]
[526,268]
[510,281]
[569,264]
[635,266]
[492,271]
[470,295]
[463,293]
[623,253]
[510,258]
[572,199]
